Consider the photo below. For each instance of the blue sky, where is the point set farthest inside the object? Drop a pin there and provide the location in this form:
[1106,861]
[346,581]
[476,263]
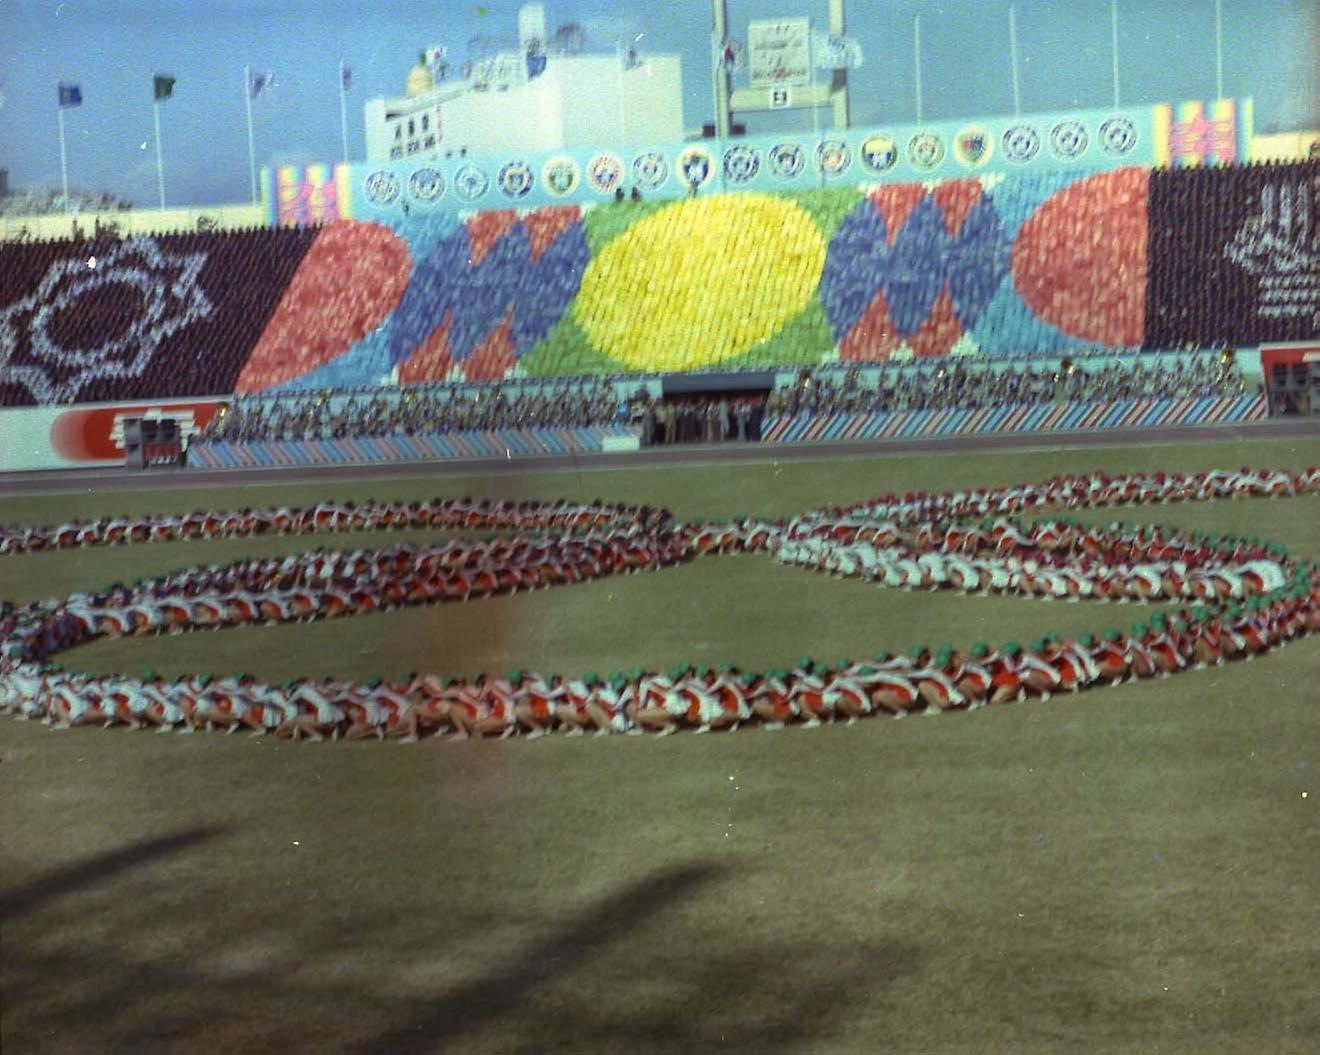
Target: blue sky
[111,48]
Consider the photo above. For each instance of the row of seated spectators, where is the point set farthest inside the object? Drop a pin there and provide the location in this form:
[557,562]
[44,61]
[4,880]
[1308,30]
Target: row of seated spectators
[943,384]
[413,411]
[939,384]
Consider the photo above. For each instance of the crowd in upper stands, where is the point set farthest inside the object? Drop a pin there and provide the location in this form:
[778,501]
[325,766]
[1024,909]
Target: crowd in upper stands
[940,385]
[416,410]
[40,202]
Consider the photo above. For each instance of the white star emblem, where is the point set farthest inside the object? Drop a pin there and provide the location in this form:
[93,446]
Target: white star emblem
[31,354]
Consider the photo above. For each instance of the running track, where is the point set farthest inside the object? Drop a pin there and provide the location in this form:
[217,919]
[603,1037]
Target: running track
[1306,431]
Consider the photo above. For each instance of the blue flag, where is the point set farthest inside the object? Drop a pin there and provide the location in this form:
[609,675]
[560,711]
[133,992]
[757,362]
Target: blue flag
[70,95]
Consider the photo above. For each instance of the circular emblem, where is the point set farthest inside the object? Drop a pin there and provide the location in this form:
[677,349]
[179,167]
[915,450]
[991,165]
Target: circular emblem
[696,166]
[925,150]
[560,175]
[1068,140]
[650,170]
[427,184]
[972,146]
[605,173]
[382,187]
[515,179]
[1117,136]
[787,160]
[833,156]
[1021,143]
[879,153]
[741,164]
[470,183]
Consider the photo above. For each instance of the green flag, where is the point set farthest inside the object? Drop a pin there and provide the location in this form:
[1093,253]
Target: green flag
[163,86]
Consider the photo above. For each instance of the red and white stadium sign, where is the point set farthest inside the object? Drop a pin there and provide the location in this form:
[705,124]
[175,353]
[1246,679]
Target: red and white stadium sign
[93,435]
[53,437]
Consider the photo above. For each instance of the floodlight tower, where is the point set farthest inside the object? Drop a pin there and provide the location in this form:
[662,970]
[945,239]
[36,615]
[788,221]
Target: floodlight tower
[727,102]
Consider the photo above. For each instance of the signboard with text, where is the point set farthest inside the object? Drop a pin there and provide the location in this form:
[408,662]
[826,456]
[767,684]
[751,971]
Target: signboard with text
[779,52]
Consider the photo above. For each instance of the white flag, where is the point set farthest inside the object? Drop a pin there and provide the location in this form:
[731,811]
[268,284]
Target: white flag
[830,52]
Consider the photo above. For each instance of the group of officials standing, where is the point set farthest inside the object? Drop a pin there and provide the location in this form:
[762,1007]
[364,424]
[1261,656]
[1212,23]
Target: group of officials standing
[698,419]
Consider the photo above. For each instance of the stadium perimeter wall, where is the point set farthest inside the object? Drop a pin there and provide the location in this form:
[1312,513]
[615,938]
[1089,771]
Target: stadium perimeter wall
[802,428]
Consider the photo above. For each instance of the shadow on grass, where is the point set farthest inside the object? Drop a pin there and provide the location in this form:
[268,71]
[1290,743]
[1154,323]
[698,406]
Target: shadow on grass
[134,963]
[33,895]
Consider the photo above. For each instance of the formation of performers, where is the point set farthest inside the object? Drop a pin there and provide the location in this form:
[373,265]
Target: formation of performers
[467,513]
[1239,598]
[927,680]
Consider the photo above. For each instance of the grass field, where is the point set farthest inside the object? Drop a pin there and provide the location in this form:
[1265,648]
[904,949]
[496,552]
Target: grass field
[1131,870]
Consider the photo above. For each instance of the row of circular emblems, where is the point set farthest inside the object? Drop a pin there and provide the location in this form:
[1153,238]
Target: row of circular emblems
[971,147]
[1069,139]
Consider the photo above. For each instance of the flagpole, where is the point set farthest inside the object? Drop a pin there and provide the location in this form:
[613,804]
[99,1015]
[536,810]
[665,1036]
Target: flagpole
[916,49]
[1219,49]
[343,111]
[815,109]
[1113,45]
[618,77]
[64,162]
[160,161]
[717,71]
[1013,54]
[252,149]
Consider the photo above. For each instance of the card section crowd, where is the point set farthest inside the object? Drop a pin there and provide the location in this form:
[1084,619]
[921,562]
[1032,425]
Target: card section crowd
[1034,265]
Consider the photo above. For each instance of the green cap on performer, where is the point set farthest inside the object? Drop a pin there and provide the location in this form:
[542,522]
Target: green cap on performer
[726,668]
[589,679]
[881,656]
[917,651]
[805,663]
[1086,640]
[843,664]
[515,676]
[1113,635]
[1038,645]
[676,672]
[374,682]
[749,677]
[980,650]
[1139,629]
[617,681]
[204,680]
[1157,620]
[637,674]
[149,675]
[1012,649]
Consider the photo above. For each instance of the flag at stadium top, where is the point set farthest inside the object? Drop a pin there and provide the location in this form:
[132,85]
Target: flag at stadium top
[832,52]
[70,95]
[162,86]
[259,82]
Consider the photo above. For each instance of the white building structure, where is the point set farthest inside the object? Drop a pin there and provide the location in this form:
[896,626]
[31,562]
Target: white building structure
[532,99]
